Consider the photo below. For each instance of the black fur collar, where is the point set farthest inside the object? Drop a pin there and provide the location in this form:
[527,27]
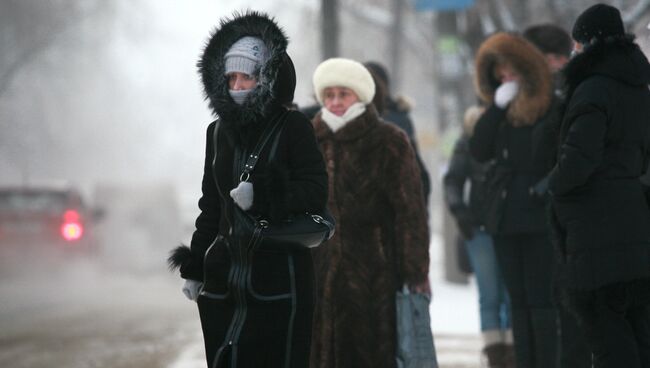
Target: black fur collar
[619,58]
[276,80]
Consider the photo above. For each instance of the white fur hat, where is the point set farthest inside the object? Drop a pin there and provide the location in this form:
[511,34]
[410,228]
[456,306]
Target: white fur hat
[340,72]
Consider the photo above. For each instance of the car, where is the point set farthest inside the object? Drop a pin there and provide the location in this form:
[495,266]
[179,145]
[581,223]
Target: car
[52,216]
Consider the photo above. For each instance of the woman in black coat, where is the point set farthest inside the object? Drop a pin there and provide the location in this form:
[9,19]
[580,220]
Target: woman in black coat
[602,218]
[255,301]
[515,82]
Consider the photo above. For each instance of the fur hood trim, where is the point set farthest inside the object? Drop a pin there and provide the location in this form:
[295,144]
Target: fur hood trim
[179,257]
[536,87]
[276,78]
[402,103]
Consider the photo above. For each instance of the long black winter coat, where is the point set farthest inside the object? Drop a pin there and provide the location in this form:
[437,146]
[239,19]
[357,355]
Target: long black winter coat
[256,304]
[603,221]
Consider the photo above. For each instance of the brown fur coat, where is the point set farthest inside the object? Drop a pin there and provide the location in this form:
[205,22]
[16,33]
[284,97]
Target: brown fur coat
[536,88]
[381,241]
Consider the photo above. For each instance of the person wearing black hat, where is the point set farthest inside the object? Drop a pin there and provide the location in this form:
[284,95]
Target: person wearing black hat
[600,214]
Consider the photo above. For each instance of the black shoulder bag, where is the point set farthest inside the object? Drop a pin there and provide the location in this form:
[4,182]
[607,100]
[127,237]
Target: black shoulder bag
[301,229]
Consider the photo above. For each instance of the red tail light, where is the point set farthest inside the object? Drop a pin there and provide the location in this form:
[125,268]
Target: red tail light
[71,229]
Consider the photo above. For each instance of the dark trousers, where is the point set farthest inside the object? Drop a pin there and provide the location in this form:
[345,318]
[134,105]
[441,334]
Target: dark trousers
[616,322]
[574,351]
[526,262]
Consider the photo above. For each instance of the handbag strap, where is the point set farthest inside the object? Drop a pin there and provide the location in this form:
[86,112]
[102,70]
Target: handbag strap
[253,157]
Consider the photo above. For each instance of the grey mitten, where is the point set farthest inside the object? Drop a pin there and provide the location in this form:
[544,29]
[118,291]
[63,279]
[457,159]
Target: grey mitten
[243,195]
[191,289]
[505,93]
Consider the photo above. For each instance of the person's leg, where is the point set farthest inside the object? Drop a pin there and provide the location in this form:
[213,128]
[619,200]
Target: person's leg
[484,264]
[509,256]
[639,318]
[506,325]
[538,263]
[574,351]
[602,316]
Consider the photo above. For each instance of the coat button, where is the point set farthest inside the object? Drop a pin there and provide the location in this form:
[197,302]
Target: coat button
[505,153]
[504,194]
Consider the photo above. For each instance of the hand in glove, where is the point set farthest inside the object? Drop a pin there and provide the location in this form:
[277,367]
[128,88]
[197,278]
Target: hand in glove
[423,287]
[191,289]
[243,195]
[505,93]
[539,191]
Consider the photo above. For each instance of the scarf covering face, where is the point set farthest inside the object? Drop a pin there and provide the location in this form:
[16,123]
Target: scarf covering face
[336,122]
[239,96]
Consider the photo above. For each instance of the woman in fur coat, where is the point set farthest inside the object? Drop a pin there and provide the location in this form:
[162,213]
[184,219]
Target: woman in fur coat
[381,240]
[255,300]
[514,80]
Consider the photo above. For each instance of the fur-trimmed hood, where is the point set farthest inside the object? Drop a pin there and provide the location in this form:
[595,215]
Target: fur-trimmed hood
[536,87]
[619,58]
[276,79]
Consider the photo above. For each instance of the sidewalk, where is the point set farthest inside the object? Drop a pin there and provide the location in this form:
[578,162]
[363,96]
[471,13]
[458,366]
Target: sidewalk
[454,316]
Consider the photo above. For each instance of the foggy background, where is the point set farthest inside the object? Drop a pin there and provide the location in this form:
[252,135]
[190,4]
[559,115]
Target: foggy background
[105,96]
[106,93]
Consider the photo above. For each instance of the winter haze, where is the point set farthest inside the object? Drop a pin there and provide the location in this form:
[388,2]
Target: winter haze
[105,96]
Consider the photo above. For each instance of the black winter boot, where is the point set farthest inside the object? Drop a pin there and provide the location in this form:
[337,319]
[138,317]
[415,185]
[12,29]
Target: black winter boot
[495,354]
[509,356]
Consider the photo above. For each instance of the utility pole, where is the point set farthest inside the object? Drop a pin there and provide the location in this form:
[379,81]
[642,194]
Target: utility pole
[396,43]
[329,29]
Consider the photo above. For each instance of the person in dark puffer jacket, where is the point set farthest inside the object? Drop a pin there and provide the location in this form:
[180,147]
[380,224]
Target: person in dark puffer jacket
[255,300]
[601,216]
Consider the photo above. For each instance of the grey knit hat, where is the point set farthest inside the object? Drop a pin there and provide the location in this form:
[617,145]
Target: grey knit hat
[246,56]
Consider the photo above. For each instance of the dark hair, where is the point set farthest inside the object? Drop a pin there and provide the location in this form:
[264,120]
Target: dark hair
[549,38]
[378,71]
[380,100]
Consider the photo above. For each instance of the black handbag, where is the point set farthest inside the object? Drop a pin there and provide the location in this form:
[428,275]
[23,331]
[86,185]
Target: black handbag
[301,229]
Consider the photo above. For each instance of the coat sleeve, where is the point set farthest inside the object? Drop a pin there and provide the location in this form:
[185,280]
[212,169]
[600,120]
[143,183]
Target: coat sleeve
[411,226]
[482,144]
[207,223]
[299,183]
[307,189]
[456,176]
[581,152]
